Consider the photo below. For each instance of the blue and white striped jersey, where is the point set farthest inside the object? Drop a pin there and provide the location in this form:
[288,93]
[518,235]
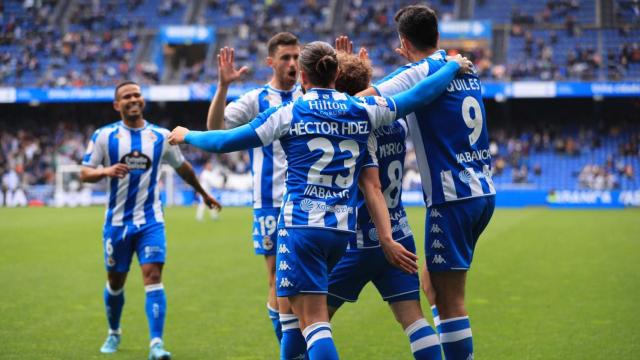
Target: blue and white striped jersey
[450,134]
[268,163]
[390,145]
[134,199]
[325,135]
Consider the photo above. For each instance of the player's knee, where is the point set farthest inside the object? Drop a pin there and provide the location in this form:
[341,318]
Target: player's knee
[450,308]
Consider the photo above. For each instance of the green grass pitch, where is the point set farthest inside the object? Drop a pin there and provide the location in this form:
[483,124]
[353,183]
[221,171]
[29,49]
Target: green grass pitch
[545,284]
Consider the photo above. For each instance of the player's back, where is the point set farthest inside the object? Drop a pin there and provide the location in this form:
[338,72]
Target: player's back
[390,145]
[325,146]
[450,134]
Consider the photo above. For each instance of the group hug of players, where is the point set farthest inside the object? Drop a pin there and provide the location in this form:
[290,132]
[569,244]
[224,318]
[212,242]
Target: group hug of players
[327,154]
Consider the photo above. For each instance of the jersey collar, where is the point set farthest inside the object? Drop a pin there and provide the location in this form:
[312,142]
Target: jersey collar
[146,124]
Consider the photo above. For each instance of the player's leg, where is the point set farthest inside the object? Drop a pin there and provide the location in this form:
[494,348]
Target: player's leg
[264,243]
[118,252]
[293,345]
[314,320]
[424,341]
[309,255]
[402,292]
[450,240]
[272,300]
[151,250]
[430,293]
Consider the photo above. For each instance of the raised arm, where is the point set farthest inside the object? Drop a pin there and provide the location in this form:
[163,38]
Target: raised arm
[227,74]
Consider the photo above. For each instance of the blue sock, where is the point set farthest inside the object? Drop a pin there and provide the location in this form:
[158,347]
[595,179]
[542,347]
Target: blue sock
[113,302]
[274,315]
[425,344]
[456,338]
[292,345]
[156,308]
[319,341]
[436,317]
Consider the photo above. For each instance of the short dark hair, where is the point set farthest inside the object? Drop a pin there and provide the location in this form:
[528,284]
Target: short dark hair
[354,74]
[419,24]
[121,84]
[320,62]
[281,38]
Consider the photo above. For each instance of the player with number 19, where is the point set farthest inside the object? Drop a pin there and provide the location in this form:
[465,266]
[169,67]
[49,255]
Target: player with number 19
[325,135]
[452,149]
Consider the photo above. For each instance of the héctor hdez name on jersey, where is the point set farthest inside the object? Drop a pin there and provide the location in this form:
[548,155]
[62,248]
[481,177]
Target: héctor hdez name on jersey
[328,108]
[469,84]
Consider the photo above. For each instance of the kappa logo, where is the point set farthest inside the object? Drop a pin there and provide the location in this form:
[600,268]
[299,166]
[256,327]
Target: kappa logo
[285,283]
[284,266]
[435,214]
[435,229]
[282,249]
[470,357]
[438,259]
[436,244]
[283,233]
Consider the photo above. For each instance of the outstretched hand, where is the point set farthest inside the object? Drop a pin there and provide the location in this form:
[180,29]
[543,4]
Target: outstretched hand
[227,73]
[400,257]
[177,135]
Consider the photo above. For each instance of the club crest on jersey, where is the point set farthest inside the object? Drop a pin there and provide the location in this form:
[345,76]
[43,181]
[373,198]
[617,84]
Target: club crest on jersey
[267,244]
[136,161]
[373,234]
[111,261]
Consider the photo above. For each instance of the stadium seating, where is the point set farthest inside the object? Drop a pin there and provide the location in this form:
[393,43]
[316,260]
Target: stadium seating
[34,53]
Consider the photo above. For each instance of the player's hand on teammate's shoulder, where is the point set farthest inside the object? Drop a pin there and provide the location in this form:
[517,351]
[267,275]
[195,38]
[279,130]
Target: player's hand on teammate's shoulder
[227,73]
[400,257]
[466,66]
[118,170]
[211,202]
[177,135]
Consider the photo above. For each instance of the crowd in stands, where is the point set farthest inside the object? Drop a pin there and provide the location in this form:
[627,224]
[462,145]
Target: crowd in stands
[549,40]
[556,158]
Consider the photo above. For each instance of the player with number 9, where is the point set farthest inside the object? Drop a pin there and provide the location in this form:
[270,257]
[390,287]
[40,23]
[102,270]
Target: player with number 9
[452,148]
[325,135]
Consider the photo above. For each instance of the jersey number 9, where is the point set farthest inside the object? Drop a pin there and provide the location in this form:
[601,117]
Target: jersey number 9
[473,121]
